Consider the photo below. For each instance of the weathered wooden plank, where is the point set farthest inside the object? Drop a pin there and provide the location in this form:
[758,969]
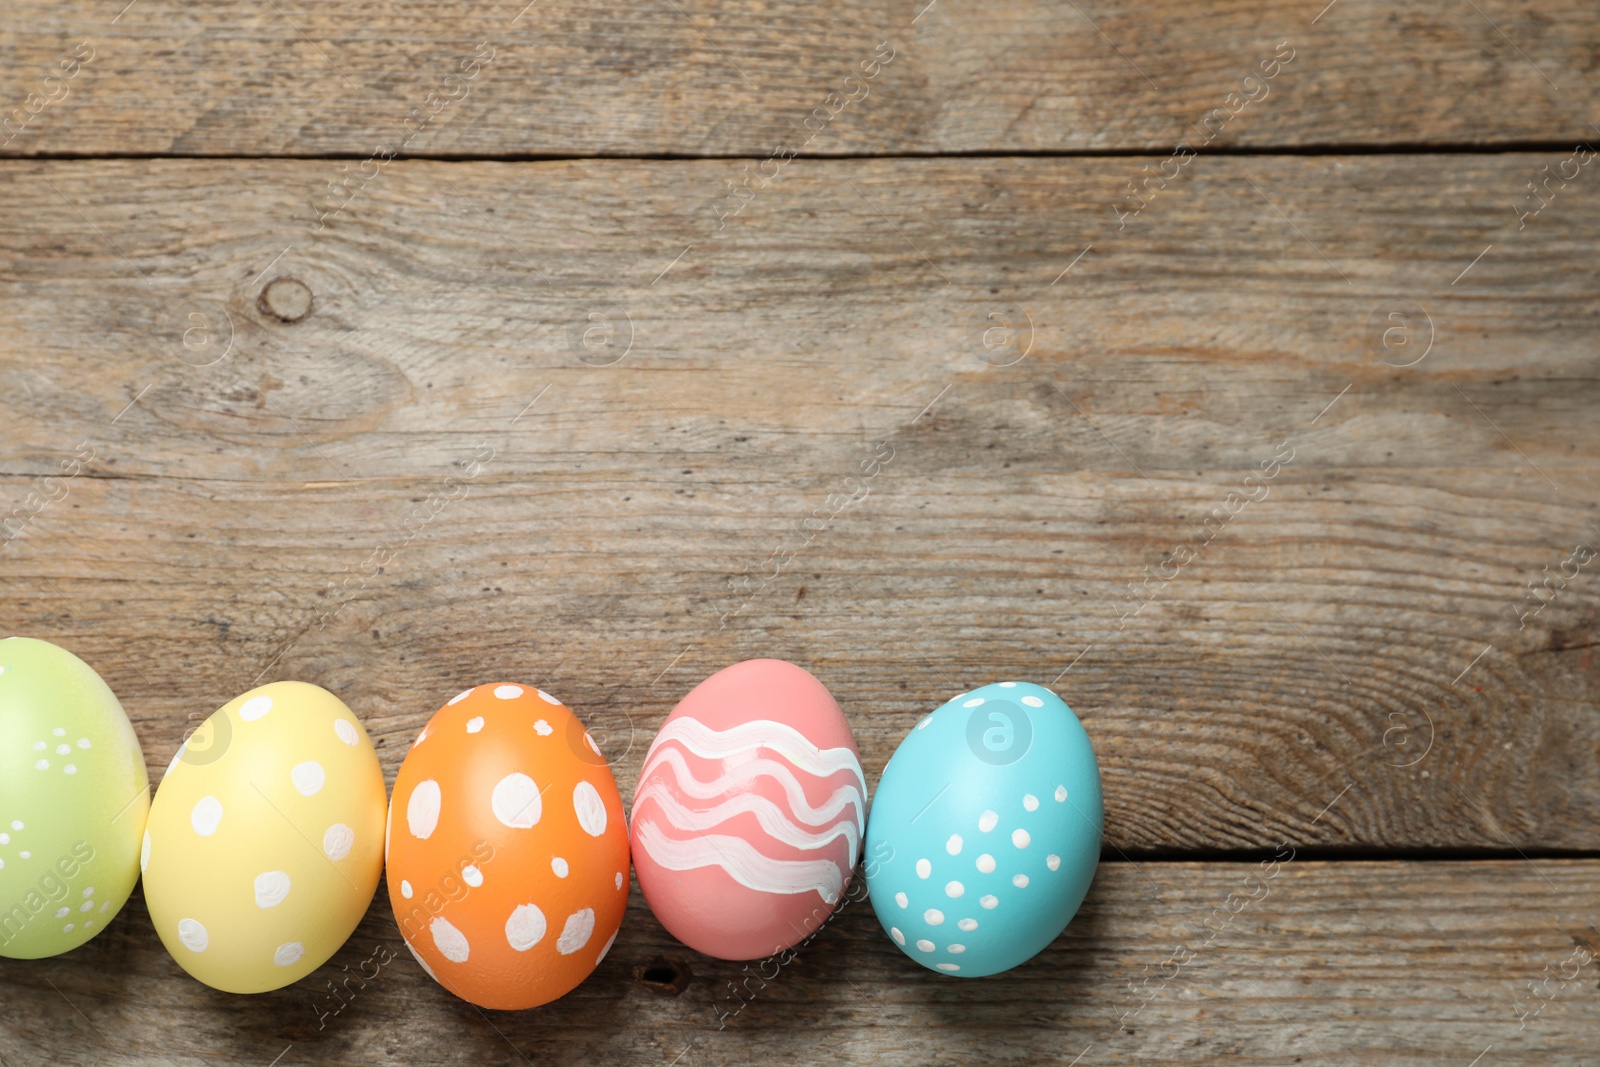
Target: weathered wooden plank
[1239,964]
[739,77]
[809,451]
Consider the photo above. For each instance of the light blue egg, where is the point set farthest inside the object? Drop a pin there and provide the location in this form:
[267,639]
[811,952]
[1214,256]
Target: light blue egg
[985,831]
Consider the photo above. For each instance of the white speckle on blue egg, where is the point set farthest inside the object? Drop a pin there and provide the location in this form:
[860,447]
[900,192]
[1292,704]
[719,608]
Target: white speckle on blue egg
[972,821]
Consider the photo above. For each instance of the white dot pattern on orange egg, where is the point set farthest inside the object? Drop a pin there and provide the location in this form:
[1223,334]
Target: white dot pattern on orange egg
[535,849]
[590,809]
[450,942]
[238,898]
[516,801]
[525,928]
[576,933]
[422,810]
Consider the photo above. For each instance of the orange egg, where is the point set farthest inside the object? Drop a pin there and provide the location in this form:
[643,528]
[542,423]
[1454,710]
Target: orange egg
[507,849]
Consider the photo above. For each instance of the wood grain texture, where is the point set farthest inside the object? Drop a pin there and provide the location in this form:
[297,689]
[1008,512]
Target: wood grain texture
[736,77]
[1167,963]
[1280,468]
[808,441]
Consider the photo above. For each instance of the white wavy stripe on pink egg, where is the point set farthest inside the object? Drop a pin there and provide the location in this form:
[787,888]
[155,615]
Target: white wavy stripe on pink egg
[743,862]
[744,773]
[769,815]
[733,751]
[786,741]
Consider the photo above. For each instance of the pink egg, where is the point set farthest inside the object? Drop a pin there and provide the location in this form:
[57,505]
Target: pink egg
[748,818]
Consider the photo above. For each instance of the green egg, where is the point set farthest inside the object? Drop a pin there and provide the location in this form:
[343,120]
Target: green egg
[73,800]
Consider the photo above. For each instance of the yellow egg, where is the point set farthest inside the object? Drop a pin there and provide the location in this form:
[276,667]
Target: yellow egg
[265,839]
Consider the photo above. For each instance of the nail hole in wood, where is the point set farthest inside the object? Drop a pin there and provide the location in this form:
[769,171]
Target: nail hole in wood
[663,976]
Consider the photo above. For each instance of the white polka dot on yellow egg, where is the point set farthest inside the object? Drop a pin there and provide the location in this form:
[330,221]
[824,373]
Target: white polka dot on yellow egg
[236,894]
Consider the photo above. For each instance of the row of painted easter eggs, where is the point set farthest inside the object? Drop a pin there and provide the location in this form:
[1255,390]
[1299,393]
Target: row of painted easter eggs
[505,842]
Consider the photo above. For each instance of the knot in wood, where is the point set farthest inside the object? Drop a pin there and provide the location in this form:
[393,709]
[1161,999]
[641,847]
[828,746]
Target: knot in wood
[286,299]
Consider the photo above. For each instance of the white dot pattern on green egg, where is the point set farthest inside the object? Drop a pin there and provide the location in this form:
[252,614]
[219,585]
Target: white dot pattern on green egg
[73,800]
[985,830]
[265,840]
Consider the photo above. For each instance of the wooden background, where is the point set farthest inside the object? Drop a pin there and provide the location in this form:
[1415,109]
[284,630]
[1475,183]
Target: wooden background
[1385,662]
